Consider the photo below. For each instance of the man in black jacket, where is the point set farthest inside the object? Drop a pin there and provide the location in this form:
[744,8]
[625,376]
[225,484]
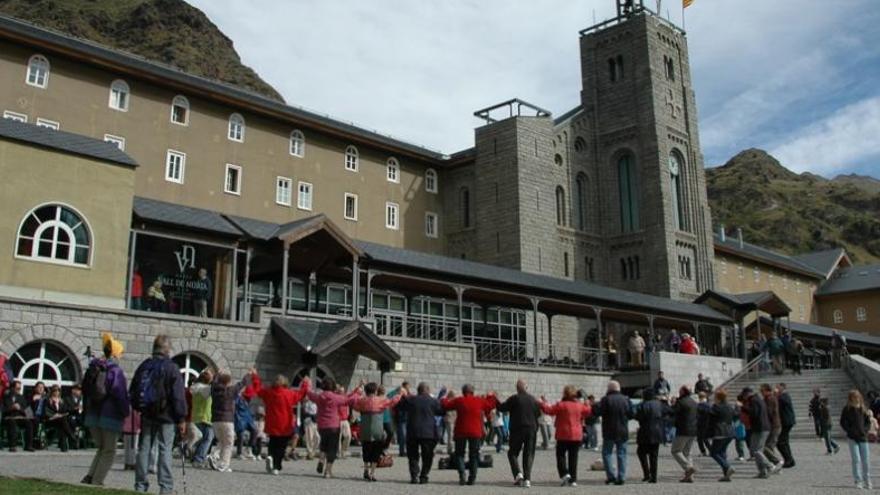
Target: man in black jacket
[616,411]
[524,415]
[685,411]
[651,415]
[157,392]
[759,420]
[421,430]
[787,416]
[17,414]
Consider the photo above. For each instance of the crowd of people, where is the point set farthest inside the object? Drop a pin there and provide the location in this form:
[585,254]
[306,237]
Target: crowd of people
[218,414]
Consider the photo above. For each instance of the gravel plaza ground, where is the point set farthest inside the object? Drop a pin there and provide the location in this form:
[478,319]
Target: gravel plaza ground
[814,473]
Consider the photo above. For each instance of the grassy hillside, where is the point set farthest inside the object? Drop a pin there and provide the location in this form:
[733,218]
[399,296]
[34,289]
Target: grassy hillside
[794,213]
[167,31]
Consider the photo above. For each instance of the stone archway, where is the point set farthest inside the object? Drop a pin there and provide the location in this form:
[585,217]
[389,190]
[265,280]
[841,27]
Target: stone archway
[51,333]
[212,353]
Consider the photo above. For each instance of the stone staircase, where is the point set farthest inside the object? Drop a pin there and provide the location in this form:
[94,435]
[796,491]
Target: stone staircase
[834,384]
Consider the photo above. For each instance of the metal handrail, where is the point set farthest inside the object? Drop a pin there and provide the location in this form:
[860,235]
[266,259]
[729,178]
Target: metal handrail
[747,369]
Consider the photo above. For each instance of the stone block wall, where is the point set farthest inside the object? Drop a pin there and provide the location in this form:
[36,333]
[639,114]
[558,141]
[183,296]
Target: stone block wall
[682,369]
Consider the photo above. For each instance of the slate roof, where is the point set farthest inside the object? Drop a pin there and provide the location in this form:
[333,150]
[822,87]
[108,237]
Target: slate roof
[253,228]
[67,142]
[766,301]
[820,331]
[493,274]
[174,214]
[323,338]
[765,255]
[102,55]
[822,261]
[852,279]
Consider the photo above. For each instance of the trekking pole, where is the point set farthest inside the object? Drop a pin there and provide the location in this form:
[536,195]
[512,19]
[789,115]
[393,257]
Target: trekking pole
[183,462]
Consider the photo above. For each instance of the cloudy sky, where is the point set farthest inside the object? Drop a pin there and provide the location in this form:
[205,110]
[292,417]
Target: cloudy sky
[799,78]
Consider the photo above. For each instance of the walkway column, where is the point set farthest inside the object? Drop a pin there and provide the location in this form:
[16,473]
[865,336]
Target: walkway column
[368,307]
[535,301]
[651,347]
[459,292]
[598,312]
[247,284]
[355,289]
[284,266]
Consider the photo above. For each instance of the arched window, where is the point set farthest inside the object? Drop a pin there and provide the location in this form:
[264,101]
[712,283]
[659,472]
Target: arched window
[675,170]
[191,366]
[557,159]
[297,143]
[180,110]
[431,180]
[54,233]
[465,207]
[393,171]
[560,206]
[629,195]
[838,316]
[351,158]
[580,200]
[44,361]
[119,95]
[236,128]
[580,145]
[38,71]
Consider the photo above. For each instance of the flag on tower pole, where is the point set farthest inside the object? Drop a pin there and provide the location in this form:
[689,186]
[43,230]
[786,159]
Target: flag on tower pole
[686,3]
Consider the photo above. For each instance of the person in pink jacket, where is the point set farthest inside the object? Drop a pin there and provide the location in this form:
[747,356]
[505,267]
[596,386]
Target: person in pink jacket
[329,403]
[570,414]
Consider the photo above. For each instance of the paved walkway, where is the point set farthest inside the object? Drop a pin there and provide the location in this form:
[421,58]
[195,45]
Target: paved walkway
[815,473]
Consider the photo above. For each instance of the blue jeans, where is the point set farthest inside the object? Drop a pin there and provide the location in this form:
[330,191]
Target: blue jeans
[401,437]
[861,461]
[154,433]
[203,446]
[718,451]
[608,447]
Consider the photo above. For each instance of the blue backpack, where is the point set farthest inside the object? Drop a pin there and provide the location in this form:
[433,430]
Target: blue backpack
[153,399]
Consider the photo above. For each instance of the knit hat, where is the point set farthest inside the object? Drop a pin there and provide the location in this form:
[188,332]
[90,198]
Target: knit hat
[115,346]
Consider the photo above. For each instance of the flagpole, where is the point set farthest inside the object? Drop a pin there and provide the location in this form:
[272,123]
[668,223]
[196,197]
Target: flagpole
[683,25]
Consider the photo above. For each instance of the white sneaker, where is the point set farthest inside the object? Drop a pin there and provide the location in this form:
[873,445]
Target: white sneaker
[518,479]
[565,480]
[269,465]
[527,484]
[226,470]
[275,472]
[869,485]
[776,469]
[248,456]
[740,459]
[573,484]
[859,485]
[213,463]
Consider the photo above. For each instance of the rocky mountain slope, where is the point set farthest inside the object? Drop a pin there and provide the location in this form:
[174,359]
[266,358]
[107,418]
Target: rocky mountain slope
[168,31]
[796,213]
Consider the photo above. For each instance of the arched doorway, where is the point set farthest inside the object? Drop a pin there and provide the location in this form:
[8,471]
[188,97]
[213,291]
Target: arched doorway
[320,374]
[44,361]
[191,366]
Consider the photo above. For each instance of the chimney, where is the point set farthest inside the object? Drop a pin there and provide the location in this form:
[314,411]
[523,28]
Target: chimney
[739,236]
[721,233]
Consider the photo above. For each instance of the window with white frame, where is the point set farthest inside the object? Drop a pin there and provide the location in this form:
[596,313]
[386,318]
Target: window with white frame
[232,181]
[861,314]
[304,197]
[350,207]
[431,224]
[55,233]
[297,143]
[48,124]
[18,117]
[191,366]
[837,315]
[44,361]
[756,273]
[392,215]
[283,190]
[180,110]
[118,141]
[175,166]
[393,171]
[351,159]
[119,95]
[236,128]
[431,180]
[38,71]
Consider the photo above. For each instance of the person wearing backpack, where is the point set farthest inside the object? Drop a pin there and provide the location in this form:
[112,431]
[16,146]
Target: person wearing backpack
[157,393]
[105,402]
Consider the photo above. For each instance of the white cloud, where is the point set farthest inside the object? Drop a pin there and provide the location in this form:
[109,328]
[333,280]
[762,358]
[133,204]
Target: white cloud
[831,145]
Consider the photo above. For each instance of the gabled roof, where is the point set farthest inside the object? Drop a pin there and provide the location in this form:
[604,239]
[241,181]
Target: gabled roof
[824,261]
[121,62]
[852,279]
[185,216]
[323,338]
[766,301]
[67,142]
[764,255]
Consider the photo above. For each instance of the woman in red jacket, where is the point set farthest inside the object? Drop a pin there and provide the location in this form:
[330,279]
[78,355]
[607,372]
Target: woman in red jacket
[469,410]
[570,415]
[279,401]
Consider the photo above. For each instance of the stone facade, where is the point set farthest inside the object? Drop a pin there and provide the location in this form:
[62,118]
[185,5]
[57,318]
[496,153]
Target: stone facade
[682,369]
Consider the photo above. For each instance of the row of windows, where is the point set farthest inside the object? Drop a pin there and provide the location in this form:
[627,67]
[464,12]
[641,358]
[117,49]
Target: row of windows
[41,122]
[120,96]
[861,315]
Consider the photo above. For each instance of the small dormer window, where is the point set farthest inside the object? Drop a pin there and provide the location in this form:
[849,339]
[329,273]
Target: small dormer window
[180,110]
[38,71]
[119,95]
[236,128]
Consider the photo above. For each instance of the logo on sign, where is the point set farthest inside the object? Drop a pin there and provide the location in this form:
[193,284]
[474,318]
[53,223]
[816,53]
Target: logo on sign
[186,257]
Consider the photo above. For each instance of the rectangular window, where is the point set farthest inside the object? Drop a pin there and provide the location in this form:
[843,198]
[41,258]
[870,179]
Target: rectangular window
[283,186]
[18,117]
[232,183]
[861,314]
[431,224]
[119,98]
[49,124]
[724,267]
[350,207]
[757,274]
[392,219]
[304,199]
[175,165]
[116,140]
[179,114]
